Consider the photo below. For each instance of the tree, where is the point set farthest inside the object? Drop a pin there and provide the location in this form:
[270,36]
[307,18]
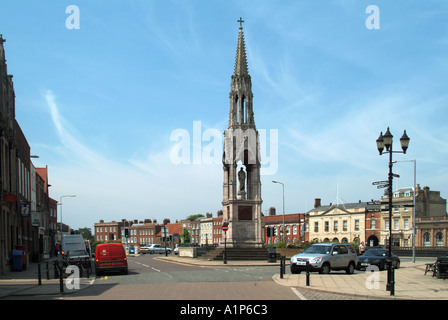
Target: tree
[195,216]
[86,233]
[185,237]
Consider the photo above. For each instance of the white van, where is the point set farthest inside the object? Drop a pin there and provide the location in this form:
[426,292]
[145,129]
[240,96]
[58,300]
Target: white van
[74,248]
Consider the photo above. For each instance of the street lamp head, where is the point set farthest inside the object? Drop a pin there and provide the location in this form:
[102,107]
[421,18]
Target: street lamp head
[380,143]
[404,140]
[388,140]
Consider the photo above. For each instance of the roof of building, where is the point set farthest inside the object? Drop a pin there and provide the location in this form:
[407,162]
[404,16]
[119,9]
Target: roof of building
[373,205]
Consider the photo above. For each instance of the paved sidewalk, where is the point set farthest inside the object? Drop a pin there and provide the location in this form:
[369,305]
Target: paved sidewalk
[411,283]
[25,283]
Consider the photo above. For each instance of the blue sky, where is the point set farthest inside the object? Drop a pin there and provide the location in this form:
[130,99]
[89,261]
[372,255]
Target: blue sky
[98,104]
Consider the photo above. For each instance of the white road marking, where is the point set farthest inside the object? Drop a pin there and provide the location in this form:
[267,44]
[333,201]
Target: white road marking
[298,294]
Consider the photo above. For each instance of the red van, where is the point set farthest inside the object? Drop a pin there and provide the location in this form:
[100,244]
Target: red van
[110,257]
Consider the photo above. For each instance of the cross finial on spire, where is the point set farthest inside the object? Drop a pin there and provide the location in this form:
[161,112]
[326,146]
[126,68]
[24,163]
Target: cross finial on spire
[241,22]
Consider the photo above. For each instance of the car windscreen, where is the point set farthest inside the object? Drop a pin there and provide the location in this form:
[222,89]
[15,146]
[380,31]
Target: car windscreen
[318,249]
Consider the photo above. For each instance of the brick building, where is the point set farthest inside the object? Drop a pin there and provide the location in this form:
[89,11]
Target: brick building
[18,228]
[296,227]
[108,231]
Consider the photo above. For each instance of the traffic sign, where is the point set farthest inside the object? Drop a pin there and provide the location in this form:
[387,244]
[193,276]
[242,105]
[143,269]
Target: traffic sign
[382,186]
[379,182]
[225,226]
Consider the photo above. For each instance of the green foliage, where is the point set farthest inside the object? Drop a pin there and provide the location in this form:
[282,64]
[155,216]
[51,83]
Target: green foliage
[86,233]
[185,237]
[195,216]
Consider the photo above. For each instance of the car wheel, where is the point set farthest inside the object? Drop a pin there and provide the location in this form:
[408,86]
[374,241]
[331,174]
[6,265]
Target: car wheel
[151,252]
[350,268]
[325,268]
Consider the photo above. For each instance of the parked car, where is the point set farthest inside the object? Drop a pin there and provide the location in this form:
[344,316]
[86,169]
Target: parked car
[110,257]
[154,248]
[75,256]
[377,257]
[324,257]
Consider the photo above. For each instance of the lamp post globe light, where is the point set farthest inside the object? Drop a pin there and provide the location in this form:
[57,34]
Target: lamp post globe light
[283,193]
[386,141]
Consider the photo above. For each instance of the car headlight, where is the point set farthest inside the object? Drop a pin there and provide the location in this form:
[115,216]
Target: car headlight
[316,260]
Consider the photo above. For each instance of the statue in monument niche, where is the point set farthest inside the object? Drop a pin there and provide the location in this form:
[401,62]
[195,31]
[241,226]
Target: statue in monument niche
[242,180]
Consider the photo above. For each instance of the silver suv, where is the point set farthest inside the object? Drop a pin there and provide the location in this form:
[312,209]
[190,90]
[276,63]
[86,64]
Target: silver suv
[324,257]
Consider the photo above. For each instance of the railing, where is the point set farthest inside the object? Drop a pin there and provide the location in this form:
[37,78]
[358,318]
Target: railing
[433,251]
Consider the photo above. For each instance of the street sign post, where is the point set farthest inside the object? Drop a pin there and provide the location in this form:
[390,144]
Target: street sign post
[379,182]
[225,227]
[164,236]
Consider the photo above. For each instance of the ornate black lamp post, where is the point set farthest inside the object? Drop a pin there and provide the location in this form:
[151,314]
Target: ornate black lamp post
[385,141]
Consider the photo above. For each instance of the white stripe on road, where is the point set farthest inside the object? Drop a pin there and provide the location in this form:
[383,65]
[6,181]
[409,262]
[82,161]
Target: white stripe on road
[298,294]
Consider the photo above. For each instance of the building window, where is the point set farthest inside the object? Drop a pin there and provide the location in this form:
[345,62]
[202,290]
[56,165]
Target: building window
[406,224]
[316,226]
[386,224]
[335,226]
[396,224]
[344,225]
[439,239]
[427,239]
[327,226]
[357,225]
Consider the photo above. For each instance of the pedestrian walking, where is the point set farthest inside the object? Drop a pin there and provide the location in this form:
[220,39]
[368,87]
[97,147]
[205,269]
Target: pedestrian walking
[362,248]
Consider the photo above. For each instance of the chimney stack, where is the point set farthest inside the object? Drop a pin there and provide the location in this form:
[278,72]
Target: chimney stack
[316,203]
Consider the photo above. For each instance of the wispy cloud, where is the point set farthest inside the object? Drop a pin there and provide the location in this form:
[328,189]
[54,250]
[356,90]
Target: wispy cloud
[69,142]
[145,186]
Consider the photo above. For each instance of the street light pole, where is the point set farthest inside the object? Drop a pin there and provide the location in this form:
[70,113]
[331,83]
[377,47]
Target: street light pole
[386,142]
[60,203]
[283,192]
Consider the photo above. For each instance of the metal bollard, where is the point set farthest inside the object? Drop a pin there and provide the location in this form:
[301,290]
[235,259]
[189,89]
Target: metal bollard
[282,266]
[48,270]
[39,275]
[307,273]
[56,268]
[61,280]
